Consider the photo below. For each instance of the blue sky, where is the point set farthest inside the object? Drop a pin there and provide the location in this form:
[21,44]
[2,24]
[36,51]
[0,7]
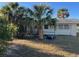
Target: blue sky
[73,7]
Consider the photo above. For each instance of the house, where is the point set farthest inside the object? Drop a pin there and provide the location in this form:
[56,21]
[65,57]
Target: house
[64,27]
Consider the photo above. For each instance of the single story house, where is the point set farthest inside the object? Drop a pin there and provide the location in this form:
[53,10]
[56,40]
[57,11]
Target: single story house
[64,27]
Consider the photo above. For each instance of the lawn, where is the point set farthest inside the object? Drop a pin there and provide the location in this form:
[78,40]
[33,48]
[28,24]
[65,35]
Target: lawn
[66,46]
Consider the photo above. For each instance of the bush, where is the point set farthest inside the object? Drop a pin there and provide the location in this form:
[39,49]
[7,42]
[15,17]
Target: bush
[7,31]
[3,47]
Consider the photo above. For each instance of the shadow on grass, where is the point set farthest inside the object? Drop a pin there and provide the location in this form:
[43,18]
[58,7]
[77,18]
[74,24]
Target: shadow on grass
[67,43]
[25,51]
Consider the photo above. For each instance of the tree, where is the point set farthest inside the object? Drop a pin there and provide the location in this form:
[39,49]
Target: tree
[41,14]
[63,13]
[18,15]
[9,10]
[21,19]
[30,18]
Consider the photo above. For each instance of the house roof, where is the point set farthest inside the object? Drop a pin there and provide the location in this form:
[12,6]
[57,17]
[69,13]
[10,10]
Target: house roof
[73,21]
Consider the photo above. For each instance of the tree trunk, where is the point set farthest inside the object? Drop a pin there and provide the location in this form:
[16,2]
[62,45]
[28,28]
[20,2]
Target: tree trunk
[40,32]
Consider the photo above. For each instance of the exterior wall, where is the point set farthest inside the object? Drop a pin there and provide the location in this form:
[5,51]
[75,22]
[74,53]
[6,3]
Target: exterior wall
[71,31]
[74,30]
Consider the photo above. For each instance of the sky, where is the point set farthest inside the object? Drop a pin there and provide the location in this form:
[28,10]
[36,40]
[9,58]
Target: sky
[73,7]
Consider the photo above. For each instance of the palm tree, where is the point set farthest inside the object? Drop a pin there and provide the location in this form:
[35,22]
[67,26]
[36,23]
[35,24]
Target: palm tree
[40,14]
[63,13]
[21,18]
[10,9]
[24,21]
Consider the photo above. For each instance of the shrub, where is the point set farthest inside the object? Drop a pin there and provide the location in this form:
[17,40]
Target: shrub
[3,47]
[7,31]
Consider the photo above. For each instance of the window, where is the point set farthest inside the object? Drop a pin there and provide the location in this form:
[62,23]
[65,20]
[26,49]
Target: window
[66,26]
[60,26]
[45,26]
[63,26]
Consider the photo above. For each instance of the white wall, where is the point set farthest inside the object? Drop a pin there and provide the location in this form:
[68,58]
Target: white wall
[71,31]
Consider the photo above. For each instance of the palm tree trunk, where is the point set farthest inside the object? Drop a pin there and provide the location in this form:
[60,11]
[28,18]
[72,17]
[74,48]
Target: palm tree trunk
[40,32]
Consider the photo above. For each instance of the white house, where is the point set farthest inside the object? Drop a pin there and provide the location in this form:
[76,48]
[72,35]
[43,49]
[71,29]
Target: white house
[64,27]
